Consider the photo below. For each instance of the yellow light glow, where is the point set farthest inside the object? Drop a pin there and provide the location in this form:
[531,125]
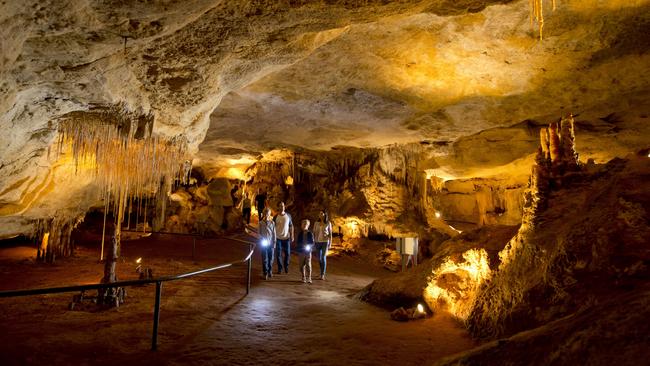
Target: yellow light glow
[231,173]
[139,260]
[458,290]
[420,309]
[438,215]
[241,161]
[289,181]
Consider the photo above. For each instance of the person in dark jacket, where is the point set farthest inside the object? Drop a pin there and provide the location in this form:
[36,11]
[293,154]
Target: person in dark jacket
[305,244]
[260,203]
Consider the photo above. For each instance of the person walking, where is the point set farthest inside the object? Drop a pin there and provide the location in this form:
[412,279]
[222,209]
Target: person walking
[260,203]
[267,235]
[246,208]
[305,244]
[284,234]
[323,237]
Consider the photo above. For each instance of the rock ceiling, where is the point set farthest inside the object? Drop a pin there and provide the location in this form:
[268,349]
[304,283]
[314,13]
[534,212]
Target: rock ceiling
[468,78]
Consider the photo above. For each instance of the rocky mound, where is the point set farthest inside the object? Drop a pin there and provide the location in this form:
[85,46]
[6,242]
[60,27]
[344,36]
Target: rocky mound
[589,244]
[408,288]
[615,332]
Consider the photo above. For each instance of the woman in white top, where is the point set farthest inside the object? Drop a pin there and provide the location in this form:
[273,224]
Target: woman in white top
[323,238]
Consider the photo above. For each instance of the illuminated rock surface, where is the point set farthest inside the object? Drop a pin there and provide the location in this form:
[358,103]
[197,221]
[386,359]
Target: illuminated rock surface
[401,118]
[469,78]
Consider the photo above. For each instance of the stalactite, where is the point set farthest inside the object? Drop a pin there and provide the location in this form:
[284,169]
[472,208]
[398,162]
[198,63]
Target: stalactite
[537,14]
[54,237]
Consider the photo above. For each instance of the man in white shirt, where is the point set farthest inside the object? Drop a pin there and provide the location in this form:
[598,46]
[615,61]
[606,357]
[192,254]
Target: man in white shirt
[284,235]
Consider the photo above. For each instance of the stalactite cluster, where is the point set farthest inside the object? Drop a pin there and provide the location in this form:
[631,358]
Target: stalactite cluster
[54,237]
[128,163]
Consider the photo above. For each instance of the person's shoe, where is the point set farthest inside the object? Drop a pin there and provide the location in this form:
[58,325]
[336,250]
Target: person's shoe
[266,276]
[309,280]
[304,280]
[322,277]
[270,275]
[286,271]
[278,272]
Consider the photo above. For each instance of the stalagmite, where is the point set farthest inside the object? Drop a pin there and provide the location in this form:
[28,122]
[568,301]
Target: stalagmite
[554,142]
[543,138]
[567,136]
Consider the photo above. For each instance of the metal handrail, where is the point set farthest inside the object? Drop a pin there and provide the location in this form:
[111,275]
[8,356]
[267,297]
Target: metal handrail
[158,281]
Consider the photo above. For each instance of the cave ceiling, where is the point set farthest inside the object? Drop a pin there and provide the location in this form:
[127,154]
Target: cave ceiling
[468,79]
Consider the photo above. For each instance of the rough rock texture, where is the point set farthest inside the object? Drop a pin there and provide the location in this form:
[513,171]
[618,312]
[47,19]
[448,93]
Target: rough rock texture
[614,332]
[586,243]
[576,271]
[314,74]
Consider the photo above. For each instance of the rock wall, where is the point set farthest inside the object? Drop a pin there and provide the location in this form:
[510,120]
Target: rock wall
[204,209]
[481,201]
[583,238]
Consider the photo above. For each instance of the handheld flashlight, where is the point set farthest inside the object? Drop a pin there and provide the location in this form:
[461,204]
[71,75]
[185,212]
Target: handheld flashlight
[307,247]
[265,243]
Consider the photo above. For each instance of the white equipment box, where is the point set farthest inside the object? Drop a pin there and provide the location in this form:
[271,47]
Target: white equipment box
[408,248]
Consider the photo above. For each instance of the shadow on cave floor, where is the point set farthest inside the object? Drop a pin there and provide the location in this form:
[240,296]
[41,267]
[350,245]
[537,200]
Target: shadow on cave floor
[207,319]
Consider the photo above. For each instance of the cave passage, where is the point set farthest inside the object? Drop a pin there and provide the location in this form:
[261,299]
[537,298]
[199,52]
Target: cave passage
[207,319]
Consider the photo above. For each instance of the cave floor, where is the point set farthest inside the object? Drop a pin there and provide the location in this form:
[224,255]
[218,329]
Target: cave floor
[208,319]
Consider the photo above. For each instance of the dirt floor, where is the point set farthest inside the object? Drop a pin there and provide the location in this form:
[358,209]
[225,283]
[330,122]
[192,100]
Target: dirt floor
[208,319]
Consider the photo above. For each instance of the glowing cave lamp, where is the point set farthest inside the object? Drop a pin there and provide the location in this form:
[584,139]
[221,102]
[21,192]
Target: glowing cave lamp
[288,180]
[307,247]
[265,243]
[420,309]
[438,214]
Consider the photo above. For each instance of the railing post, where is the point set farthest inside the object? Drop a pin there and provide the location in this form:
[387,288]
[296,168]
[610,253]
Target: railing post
[250,267]
[156,316]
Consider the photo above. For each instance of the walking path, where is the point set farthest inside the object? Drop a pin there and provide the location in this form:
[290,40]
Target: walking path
[208,320]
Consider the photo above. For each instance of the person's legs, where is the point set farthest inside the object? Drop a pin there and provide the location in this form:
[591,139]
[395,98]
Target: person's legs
[308,267]
[264,259]
[278,252]
[302,267]
[286,248]
[247,215]
[269,263]
[322,258]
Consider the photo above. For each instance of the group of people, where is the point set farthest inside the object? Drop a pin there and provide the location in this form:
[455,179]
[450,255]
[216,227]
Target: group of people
[277,234]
